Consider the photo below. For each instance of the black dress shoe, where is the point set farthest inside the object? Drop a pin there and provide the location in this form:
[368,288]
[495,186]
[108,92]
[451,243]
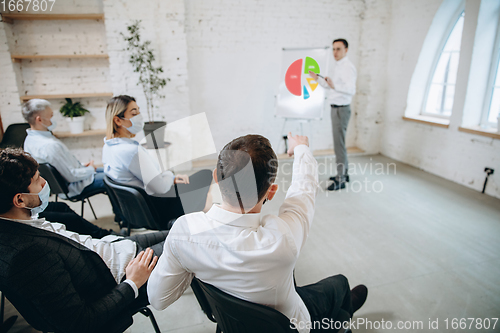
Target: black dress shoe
[346,178]
[358,297]
[335,186]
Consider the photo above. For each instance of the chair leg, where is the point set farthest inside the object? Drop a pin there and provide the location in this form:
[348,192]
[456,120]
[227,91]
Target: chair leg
[83,202]
[92,208]
[147,312]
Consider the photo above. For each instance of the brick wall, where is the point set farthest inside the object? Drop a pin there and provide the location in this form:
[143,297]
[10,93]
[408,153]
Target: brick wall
[224,57]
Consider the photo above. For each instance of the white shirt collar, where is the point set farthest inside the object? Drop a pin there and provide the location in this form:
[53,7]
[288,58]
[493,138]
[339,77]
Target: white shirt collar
[235,219]
[341,61]
[47,134]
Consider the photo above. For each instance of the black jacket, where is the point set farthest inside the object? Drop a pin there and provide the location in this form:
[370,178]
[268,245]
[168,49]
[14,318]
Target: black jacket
[58,284]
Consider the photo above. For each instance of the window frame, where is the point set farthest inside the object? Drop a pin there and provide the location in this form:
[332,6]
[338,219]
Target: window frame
[491,84]
[458,14]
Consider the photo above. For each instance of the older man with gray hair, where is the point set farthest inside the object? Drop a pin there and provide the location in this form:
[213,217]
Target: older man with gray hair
[46,148]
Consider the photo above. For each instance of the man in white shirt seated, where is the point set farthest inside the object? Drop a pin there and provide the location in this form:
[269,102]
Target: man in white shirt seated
[46,148]
[248,255]
[73,282]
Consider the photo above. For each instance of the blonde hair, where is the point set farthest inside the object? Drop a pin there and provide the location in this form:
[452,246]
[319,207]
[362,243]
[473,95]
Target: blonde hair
[116,106]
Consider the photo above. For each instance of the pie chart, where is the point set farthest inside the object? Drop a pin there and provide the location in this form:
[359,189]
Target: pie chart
[297,77]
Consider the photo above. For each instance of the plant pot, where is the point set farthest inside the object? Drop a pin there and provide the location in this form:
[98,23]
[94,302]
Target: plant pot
[75,124]
[155,134]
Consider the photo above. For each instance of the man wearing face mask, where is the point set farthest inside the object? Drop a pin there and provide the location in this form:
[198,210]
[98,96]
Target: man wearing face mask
[46,148]
[73,282]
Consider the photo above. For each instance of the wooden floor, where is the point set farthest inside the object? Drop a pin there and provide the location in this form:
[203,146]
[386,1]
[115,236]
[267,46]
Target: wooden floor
[424,246]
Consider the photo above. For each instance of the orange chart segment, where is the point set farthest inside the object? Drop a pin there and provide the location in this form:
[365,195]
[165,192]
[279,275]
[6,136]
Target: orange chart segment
[293,78]
[313,84]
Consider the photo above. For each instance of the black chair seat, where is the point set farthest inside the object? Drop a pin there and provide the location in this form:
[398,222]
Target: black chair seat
[135,206]
[234,315]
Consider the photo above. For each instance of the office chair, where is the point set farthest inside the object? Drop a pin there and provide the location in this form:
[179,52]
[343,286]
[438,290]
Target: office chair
[59,185]
[38,322]
[234,315]
[135,206]
[14,135]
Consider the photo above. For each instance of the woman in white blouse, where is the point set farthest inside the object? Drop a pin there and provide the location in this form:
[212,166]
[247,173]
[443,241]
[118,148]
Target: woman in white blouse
[127,162]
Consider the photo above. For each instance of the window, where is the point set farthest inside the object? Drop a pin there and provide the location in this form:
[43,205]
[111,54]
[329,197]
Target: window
[441,89]
[490,114]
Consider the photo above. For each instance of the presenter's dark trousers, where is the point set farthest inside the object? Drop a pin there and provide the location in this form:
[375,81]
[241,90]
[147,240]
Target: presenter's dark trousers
[329,298]
[340,119]
[183,198]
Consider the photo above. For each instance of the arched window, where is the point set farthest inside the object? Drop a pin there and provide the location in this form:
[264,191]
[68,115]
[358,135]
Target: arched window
[489,118]
[441,89]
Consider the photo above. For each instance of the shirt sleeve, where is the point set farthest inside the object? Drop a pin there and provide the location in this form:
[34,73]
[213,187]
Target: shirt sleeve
[147,169]
[298,208]
[169,279]
[133,285]
[67,164]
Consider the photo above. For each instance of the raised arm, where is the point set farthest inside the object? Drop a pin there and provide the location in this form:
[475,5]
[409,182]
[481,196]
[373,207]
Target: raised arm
[298,208]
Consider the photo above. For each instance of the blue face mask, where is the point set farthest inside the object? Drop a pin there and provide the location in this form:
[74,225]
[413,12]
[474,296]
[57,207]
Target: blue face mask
[137,124]
[44,195]
[51,127]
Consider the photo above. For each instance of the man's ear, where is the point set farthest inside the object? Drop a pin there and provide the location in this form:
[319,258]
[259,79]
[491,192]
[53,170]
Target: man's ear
[214,174]
[18,201]
[272,191]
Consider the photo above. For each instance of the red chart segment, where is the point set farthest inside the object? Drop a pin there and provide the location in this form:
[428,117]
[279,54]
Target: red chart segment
[293,78]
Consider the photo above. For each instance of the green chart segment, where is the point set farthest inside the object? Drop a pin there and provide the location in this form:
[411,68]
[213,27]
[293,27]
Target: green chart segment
[293,77]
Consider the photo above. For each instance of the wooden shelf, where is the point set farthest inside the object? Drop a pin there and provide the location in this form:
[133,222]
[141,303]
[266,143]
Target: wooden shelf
[85,133]
[61,96]
[10,17]
[19,57]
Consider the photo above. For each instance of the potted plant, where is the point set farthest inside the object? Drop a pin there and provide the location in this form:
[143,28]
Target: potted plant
[142,58]
[74,113]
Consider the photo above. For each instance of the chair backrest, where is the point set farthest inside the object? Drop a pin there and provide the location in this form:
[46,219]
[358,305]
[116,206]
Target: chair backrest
[14,135]
[133,204]
[58,185]
[234,315]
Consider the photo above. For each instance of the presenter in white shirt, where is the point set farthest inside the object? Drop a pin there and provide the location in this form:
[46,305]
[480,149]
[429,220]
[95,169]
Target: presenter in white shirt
[341,87]
[127,162]
[246,254]
[46,148]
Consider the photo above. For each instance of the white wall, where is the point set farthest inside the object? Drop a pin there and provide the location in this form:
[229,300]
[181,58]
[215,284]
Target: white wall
[448,153]
[234,51]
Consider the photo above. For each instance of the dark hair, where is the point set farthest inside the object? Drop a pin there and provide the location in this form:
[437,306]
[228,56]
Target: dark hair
[243,184]
[17,168]
[343,41]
